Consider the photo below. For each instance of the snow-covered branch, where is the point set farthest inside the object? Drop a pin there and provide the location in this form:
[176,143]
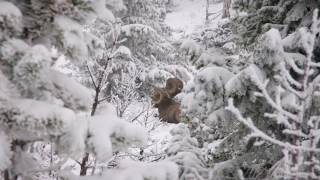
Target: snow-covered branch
[258,133]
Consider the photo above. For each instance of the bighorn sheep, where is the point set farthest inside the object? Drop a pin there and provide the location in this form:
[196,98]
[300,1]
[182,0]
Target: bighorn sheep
[169,110]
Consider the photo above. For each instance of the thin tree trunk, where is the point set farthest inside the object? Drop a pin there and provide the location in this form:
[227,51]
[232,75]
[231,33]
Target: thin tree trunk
[207,11]
[83,165]
[51,160]
[98,86]
[6,175]
[226,8]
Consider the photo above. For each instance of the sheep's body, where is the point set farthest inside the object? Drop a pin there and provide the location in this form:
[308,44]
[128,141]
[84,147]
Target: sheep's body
[169,110]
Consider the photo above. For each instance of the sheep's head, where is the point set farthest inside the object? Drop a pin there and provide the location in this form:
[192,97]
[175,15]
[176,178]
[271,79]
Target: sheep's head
[158,96]
[174,86]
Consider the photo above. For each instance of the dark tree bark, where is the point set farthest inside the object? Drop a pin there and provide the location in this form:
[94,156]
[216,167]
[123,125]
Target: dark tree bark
[98,86]
[207,10]
[226,8]
[6,175]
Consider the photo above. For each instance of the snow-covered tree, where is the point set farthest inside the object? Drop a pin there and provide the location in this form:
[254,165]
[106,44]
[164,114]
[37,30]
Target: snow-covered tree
[256,17]
[217,130]
[184,150]
[286,78]
[145,35]
[151,13]
[41,104]
[120,72]
[215,54]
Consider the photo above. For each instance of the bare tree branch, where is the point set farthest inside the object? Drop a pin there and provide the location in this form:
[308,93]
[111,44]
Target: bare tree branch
[136,117]
[91,77]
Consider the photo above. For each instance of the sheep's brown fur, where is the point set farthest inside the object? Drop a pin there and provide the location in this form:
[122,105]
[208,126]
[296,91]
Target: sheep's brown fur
[169,110]
[174,86]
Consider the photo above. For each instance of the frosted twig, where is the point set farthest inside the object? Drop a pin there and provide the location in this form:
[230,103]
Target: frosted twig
[258,133]
[91,77]
[51,168]
[280,119]
[313,64]
[290,78]
[293,65]
[287,86]
[271,102]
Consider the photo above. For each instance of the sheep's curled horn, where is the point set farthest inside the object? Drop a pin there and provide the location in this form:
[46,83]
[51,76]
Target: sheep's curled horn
[169,110]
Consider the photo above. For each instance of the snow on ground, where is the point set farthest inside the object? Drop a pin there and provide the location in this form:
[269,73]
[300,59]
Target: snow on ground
[159,132]
[189,15]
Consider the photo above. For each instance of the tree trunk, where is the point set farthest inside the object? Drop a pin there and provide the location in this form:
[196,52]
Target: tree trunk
[83,165]
[207,11]
[226,8]
[6,175]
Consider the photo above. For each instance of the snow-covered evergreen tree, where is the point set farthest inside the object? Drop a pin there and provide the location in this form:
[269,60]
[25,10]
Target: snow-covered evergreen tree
[121,69]
[291,93]
[184,150]
[256,17]
[204,103]
[146,36]
[41,104]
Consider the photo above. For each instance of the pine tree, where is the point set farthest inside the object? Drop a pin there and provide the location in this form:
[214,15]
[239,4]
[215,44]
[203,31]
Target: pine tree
[286,78]
[41,104]
[37,102]
[184,151]
[261,15]
[206,98]
[119,71]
